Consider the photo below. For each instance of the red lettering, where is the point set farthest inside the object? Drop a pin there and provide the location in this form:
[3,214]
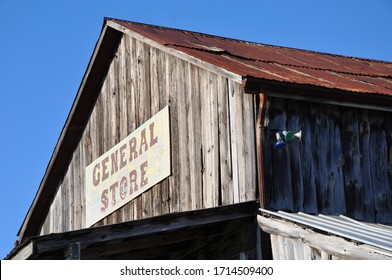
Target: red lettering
[143,142]
[123,161]
[123,187]
[132,181]
[105,172]
[132,149]
[114,157]
[96,175]
[143,179]
[104,200]
[152,139]
[113,191]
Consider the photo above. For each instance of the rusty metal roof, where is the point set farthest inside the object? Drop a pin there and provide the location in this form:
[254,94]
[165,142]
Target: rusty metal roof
[279,64]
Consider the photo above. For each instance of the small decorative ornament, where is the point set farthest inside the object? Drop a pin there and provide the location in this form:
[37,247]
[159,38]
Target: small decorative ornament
[290,135]
[280,143]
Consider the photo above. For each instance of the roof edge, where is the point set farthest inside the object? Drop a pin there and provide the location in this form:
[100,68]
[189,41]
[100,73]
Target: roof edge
[251,42]
[313,93]
[113,23]
[84,101]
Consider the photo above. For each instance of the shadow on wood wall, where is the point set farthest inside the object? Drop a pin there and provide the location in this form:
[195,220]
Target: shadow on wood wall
[342,165]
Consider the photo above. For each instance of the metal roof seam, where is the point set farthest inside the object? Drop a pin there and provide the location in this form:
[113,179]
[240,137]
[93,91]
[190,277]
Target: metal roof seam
[251,42]
[342,226]
[222,51]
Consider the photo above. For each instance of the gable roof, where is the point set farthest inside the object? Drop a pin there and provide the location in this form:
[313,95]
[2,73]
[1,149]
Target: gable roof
[279,64]
[259,66]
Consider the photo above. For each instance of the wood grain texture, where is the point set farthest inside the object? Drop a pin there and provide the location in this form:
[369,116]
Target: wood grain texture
[212,162]
[340,166]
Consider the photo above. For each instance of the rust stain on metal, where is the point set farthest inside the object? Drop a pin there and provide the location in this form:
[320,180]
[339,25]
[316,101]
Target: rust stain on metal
[275,63]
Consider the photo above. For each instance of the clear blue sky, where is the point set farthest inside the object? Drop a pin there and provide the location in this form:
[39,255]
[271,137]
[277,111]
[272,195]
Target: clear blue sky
[45,47]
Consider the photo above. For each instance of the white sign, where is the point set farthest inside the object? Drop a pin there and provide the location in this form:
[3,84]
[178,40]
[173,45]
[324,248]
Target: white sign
[129,168]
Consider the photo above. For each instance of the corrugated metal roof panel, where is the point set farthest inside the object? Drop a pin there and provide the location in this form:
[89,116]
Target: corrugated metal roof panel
[376,235]
[275,63]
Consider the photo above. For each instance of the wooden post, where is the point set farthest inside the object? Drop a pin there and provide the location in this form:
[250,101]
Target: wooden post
[259,144]
[264,243]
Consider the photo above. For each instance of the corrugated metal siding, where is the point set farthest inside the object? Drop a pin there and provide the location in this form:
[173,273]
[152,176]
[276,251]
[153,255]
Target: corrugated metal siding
[376,235]
[275,63]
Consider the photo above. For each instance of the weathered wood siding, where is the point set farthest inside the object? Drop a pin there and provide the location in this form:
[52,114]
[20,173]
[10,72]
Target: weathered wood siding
[342,165]
[212,137]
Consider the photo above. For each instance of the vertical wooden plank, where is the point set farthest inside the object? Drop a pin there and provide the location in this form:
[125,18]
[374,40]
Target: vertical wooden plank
[70,193]
[365,166]
[122,113]
[281,193]
[308,167]
[183,91]
[164,100]
[45,229]
[137,84]
[95,130]
[321,138]
[130,103]
[276,252]
[58,216]
[315,254]
[205,134]
[325,256]
[116,112]
[293,124]
[195,145]
[328,175]
[298,249]
[215,163]
[132,85]
[114,116]
[234,130]
[82,180]
[352,164]
[155,100]
[65,204]
[87,155]
[388,132]
[172,93]
[210,141]
[282,247]
[307,251]
[336,172]
[123,56]
[379,168]
[143,51]
[248,190]
[241,142]
[288,248]
[267,145]
[224,143]
[77,189]
[106,121]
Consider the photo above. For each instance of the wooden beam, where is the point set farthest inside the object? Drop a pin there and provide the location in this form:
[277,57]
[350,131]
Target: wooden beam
[332,245]
[317,94]
[117,233]
[25,252]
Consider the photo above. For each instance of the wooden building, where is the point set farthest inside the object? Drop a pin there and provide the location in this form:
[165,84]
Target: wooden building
[225,102]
